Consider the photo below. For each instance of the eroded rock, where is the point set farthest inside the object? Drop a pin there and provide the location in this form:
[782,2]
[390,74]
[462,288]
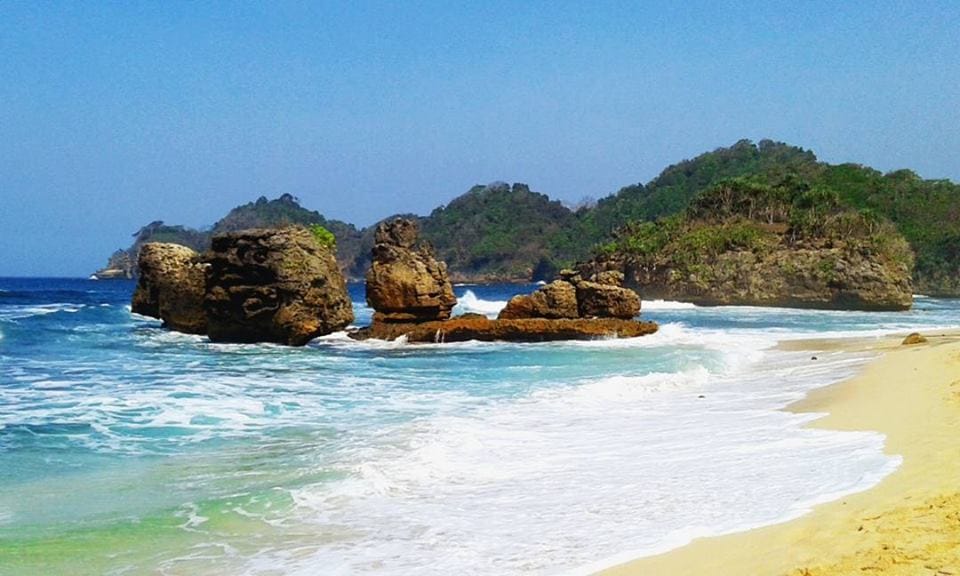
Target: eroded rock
[479,327]
[171,287]
[573,297]
[406,283]
[597,300]
[557,299]
[274,285]
[913,338]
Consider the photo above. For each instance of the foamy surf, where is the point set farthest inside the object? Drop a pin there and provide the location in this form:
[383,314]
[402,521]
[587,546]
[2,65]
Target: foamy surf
[660,452]
[665,305]
[469,302]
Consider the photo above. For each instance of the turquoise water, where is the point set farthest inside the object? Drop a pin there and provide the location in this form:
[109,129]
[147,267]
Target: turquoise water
[128,449]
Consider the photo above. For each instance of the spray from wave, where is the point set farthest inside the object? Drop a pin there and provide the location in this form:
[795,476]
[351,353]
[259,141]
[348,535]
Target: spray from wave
[469,302]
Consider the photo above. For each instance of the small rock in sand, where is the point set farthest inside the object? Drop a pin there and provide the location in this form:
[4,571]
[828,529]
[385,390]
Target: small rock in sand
[914,338]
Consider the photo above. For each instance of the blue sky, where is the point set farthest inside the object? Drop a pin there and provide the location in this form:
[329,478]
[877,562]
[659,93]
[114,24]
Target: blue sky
[116,114]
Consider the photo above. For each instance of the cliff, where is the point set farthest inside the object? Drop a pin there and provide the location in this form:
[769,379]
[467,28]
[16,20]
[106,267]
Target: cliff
[751,244]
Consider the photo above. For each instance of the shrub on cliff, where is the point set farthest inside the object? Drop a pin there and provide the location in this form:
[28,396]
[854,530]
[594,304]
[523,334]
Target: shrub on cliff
[323,236]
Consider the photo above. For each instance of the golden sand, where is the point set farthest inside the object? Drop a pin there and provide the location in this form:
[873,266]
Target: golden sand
[909,524]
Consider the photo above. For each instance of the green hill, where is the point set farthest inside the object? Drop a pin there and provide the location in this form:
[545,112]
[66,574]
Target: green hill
[926,212]
[499,232]
[503,232]
[743,242]
[671,191]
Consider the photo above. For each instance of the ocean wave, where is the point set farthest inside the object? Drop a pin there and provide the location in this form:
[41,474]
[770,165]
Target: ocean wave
[666,305]
[469,302]
[20,312]
[685,447]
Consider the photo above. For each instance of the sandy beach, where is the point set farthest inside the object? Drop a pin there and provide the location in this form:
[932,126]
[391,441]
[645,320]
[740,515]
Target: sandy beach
[909,524]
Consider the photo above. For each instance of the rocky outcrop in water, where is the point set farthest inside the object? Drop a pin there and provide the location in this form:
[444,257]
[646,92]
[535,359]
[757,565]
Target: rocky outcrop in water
[171,287]
[599,296]
[828,277]
[405,282]
[479,327]
[412,298]
[746,243]
[557,299]
[120,266]
[276,285]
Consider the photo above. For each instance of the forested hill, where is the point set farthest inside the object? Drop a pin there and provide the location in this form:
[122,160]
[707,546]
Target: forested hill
[501,232]
[740,242]
[926,212]
[671,191]
[504,232]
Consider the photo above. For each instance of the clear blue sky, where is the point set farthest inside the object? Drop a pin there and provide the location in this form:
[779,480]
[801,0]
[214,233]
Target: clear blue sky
[116,114]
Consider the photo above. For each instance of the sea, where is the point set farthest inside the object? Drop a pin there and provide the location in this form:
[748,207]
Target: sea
[129,449]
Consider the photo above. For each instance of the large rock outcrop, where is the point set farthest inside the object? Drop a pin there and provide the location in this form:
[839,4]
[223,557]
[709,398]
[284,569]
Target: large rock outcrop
[120,266]
[811,277]
[171,287]
[274,285]
[747,243]
[405,282]
[412,298]
[599,296]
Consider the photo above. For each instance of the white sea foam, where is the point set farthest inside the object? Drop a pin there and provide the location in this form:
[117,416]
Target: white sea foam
[19,312]
[666,457]
[469,302]
[666,305]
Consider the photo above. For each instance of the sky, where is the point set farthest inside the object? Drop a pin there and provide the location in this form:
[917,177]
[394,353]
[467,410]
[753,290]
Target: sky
[115,114]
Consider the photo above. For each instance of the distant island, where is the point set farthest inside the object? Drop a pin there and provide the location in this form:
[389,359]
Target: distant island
[508,233]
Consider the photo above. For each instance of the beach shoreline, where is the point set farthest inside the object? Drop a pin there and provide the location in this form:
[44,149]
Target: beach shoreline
[909,523]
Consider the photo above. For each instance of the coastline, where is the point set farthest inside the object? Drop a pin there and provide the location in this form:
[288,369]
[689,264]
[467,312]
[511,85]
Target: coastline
[909,523]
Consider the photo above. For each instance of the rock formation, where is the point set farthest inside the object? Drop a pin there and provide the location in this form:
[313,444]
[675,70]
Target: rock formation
[479,327]
[745,243]
[120,266]
[274,285]
[573,297]
[557,299]
[171,287]
[412,298]
[913,338]
[405,282]
[815,277]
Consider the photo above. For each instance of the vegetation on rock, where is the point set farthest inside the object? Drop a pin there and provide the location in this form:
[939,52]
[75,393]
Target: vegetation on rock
[747,242]
[925,212]
[324,237]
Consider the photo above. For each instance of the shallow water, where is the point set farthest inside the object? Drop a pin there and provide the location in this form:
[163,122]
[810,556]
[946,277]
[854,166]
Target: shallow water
[128,449]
